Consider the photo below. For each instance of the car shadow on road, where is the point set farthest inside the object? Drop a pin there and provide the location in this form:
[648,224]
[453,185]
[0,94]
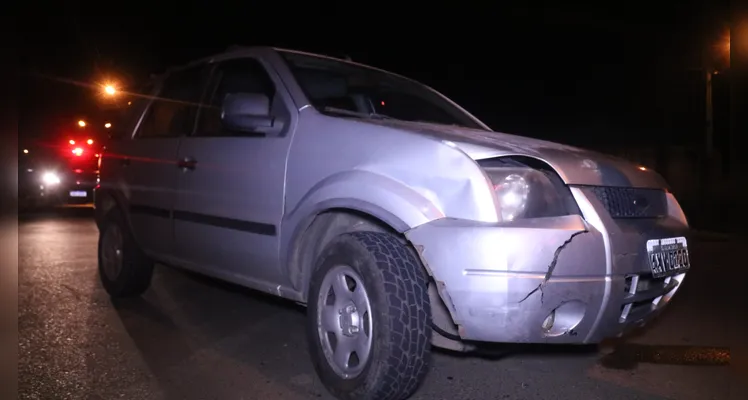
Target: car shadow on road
[204,338]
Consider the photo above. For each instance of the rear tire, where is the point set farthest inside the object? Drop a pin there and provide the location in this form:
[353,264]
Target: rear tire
[124,269]
[374,293]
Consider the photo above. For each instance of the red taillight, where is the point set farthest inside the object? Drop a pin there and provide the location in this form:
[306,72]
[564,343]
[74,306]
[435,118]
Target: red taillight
[78,171]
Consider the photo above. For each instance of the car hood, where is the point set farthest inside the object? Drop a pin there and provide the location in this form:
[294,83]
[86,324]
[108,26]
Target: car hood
[576,166]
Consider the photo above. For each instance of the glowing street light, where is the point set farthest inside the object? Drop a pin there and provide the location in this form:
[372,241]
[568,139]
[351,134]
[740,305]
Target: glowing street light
[71,141]
[110,90]
[107,125]
[25,151]
[89,141]
[81,123]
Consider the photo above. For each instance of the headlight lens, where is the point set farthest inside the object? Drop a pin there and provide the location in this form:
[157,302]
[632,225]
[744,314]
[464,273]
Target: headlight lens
[525,192]
[50,178]
[513,192]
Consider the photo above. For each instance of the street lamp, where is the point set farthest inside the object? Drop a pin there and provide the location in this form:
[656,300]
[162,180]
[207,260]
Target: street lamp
[710,67]
[107,125]
[25,151]
[81,123]
[110,90]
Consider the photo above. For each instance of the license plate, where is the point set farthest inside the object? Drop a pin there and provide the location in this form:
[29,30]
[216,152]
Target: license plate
[668,256]
[78,193]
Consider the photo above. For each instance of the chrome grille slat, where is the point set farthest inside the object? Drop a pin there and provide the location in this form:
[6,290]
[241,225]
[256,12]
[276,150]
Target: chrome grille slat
[642,291]
[651,294]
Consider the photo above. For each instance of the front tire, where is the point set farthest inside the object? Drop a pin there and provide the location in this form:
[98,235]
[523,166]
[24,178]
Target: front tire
[124,269]
[368,323]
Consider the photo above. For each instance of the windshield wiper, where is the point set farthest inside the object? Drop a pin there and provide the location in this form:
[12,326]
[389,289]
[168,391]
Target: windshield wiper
[342,111]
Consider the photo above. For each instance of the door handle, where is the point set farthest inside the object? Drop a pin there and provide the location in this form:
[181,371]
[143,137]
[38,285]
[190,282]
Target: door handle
[124,161]
[187,164]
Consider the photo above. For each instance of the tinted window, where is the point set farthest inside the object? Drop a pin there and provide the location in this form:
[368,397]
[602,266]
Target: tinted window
[243,75]
[173,110]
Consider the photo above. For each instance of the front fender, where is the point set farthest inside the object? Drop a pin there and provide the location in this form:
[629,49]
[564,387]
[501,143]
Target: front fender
[384,198]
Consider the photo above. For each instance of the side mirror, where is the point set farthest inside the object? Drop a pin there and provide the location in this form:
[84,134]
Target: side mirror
[249,112]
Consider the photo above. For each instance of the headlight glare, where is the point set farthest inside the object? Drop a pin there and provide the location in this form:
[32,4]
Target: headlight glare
[50,178]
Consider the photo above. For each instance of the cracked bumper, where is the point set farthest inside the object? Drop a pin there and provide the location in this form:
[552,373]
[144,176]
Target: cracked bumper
[501,282]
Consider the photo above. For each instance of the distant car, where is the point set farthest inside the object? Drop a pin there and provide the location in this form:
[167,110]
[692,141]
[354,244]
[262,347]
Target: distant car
[81,169]
[63,174]
[38,183]
[398,218]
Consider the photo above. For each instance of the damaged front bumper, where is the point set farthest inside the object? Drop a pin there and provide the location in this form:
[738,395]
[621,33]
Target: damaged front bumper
[570,279]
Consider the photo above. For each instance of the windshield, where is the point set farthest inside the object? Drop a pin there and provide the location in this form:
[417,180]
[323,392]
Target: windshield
[339,88]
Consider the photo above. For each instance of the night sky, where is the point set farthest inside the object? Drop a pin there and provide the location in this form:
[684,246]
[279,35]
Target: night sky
[571,74]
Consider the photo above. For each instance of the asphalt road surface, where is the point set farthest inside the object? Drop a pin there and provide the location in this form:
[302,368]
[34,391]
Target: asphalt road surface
[194,338]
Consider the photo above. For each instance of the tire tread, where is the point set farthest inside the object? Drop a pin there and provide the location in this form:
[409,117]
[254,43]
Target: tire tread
[409,311]
[137,267]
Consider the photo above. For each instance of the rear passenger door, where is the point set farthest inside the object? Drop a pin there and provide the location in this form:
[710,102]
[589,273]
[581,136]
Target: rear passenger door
[232,196]
[149,159]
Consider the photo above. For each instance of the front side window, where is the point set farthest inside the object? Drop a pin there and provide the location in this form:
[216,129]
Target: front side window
[127,119]
[173,110]
[242,75]
[339,88]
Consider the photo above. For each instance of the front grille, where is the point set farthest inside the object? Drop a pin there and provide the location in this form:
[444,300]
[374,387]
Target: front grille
[642,295]
[623,202]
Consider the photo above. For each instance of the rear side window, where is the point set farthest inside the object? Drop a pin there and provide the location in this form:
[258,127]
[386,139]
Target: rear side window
[173,110]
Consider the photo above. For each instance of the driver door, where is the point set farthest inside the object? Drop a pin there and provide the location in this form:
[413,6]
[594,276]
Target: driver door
[232,187]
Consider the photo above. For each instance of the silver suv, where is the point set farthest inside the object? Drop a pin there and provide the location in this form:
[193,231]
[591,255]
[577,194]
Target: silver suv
[399,219]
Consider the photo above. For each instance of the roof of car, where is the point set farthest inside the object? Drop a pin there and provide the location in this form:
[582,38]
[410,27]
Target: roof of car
[239,49]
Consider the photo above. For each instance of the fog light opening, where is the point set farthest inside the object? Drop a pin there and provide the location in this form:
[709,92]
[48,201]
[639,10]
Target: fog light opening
[564,318]
[549,320]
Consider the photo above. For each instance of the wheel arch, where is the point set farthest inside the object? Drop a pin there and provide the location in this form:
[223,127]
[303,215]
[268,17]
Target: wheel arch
[319,228]
[346,202]
[106,200]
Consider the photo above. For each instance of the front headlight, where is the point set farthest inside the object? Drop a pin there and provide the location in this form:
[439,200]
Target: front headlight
[526,192]
[50,178]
